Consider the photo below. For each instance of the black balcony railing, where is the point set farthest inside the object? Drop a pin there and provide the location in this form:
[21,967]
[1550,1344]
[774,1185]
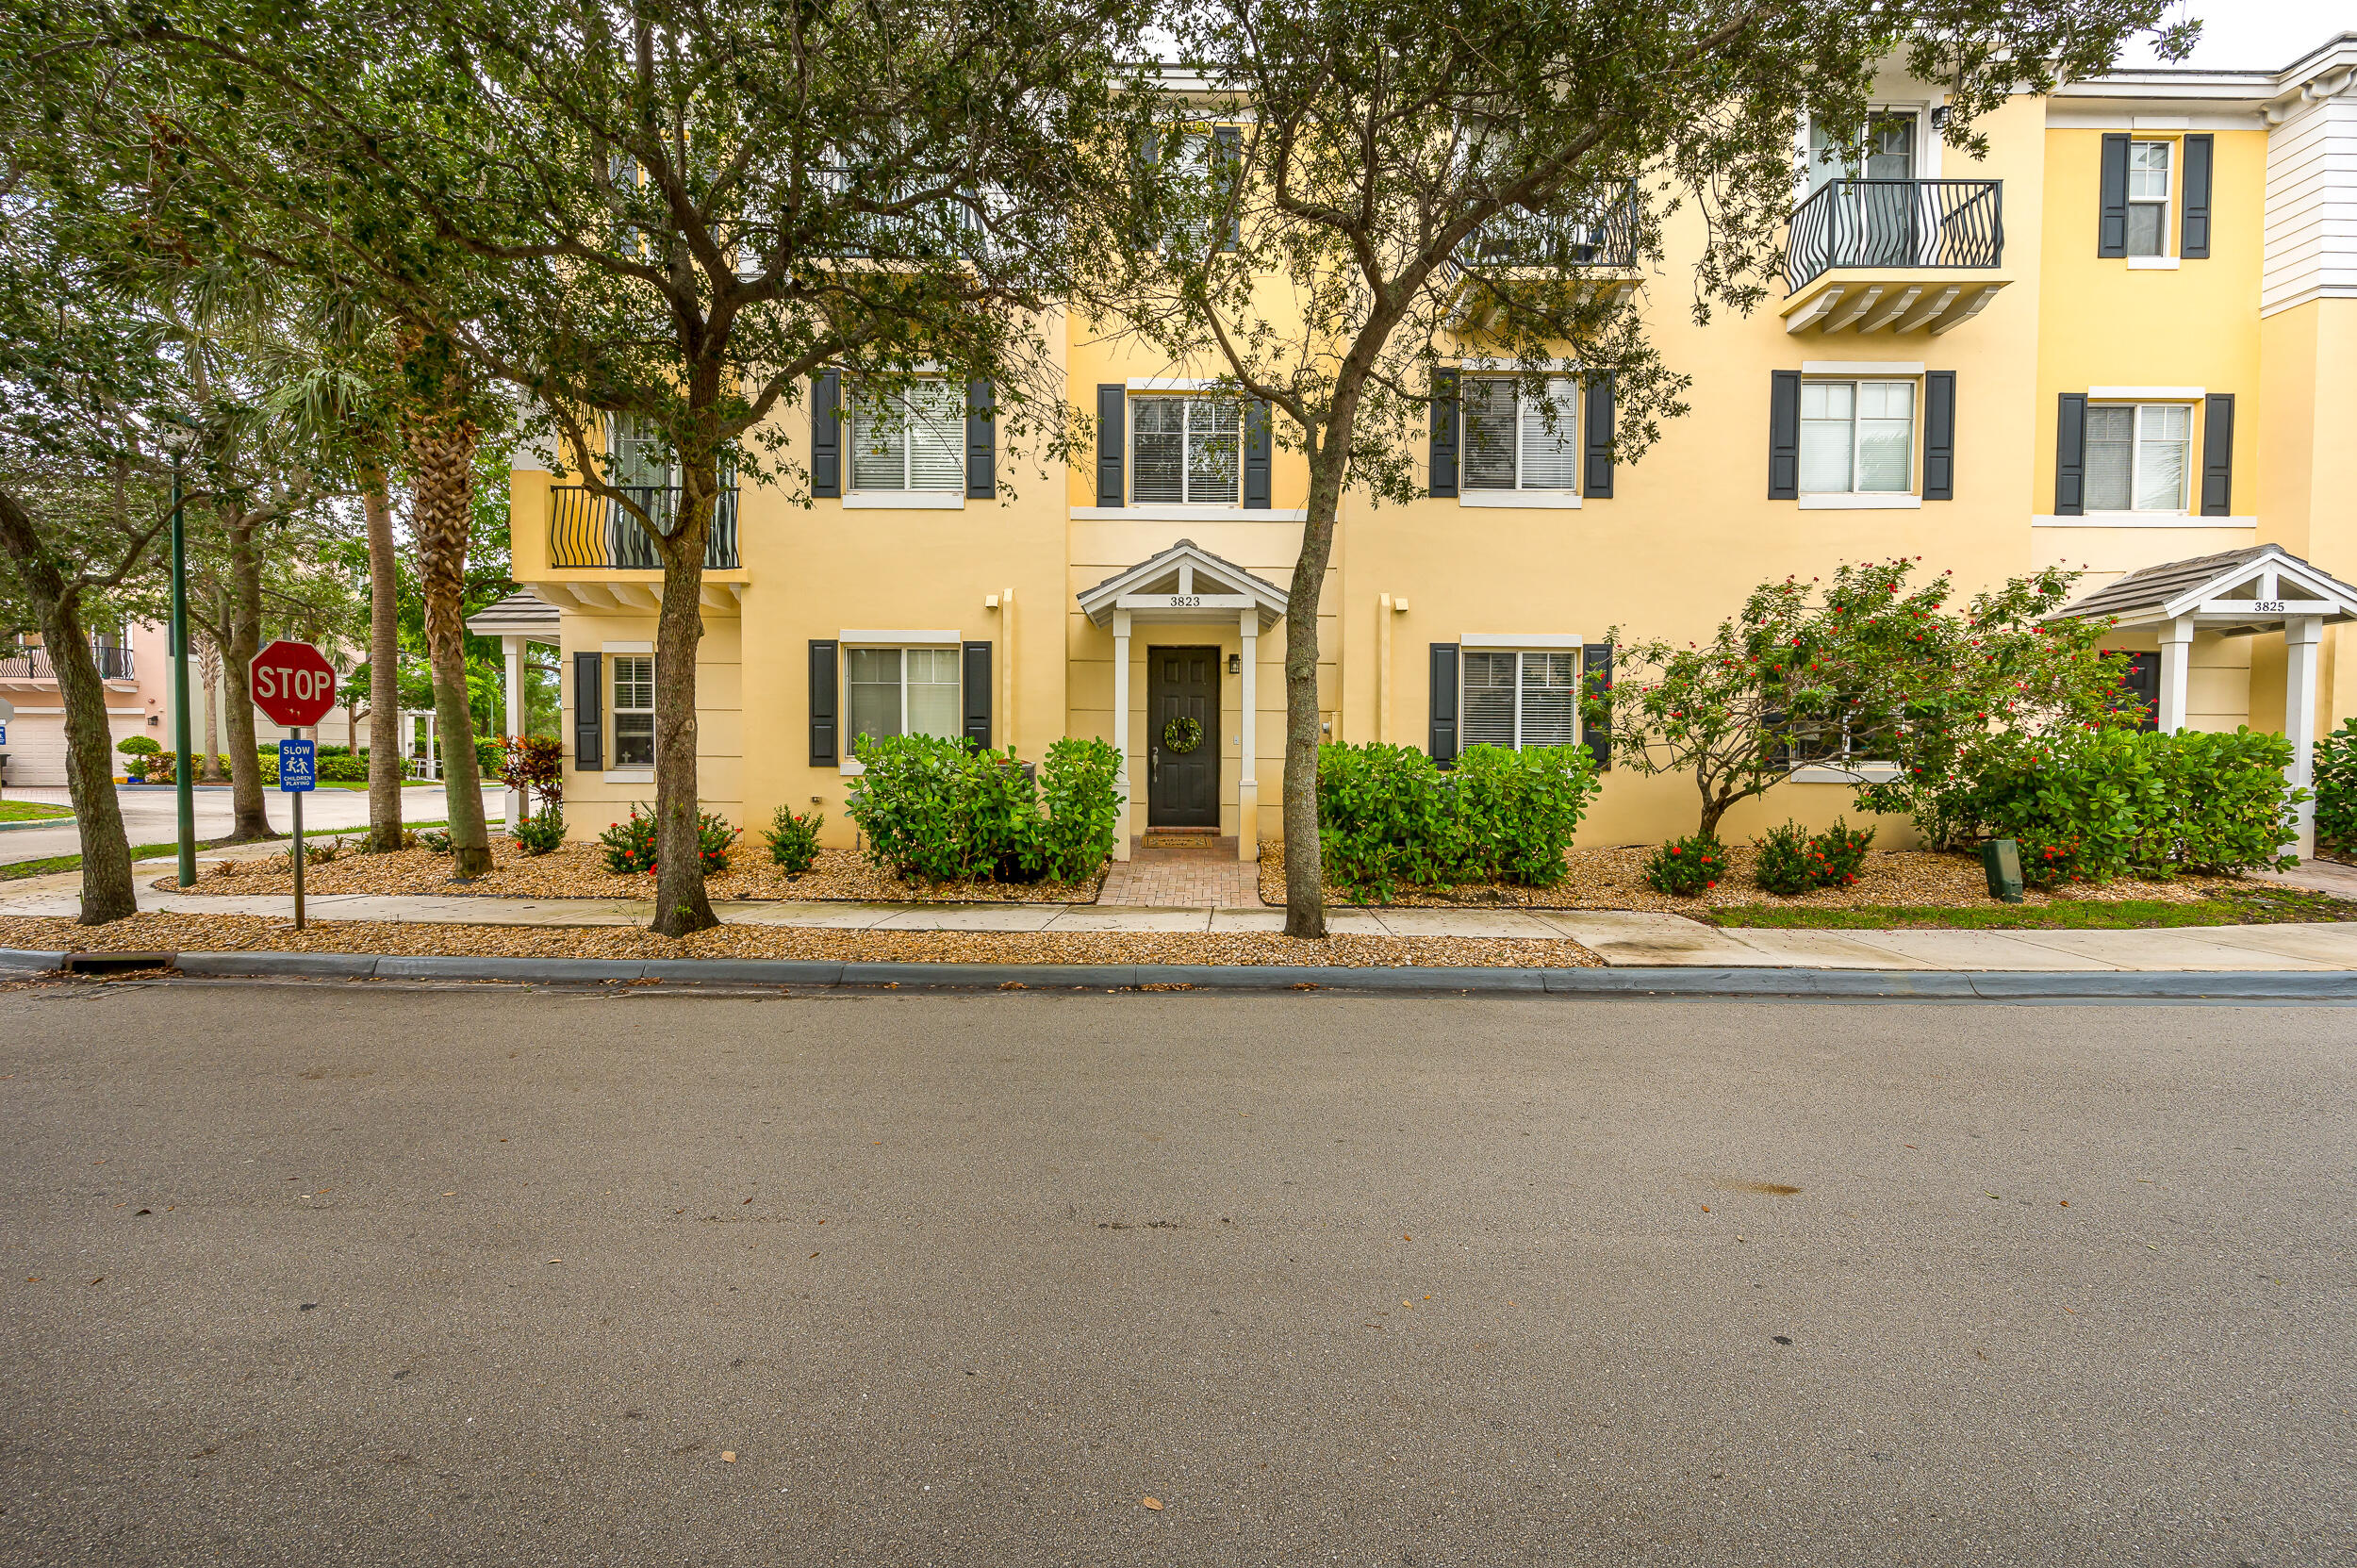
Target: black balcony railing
[34,664]
[590,530]
[1895,223]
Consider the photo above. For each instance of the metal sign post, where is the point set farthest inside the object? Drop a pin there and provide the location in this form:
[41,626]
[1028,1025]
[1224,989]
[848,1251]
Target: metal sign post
[298,775]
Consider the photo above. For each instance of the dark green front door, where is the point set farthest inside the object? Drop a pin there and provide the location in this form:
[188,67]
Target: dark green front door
[1182,787]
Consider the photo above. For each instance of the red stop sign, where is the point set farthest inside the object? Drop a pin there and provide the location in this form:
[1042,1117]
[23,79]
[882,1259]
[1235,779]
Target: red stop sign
[294,684]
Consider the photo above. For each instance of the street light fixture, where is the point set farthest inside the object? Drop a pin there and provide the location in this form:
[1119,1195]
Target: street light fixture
[176,434]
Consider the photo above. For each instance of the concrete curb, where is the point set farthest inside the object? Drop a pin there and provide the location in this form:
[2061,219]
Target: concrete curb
[30,823]
[1889,985]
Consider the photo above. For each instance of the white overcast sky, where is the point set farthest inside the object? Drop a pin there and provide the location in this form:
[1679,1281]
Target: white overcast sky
[2256,35]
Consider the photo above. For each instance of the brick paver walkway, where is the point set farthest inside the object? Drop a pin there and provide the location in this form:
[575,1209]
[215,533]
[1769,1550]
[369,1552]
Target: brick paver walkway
[1199,875]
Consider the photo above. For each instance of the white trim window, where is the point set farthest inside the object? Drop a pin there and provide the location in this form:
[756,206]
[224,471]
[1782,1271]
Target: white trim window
[2148,197]
[1509,445]
[1857,437]
[1521,698]
[899,691]
[2139,456]
[1185,452]
[634,710]
[908,440]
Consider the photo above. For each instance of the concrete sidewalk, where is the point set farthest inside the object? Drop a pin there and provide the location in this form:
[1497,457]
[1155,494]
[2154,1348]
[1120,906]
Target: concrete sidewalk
[1621,938]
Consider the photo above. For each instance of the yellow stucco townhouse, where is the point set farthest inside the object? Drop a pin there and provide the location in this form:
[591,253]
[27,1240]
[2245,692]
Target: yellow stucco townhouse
[2126,340]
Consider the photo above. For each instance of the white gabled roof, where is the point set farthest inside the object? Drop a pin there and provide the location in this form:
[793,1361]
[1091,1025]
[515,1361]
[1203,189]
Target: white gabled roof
[1187,563]
[2266,574]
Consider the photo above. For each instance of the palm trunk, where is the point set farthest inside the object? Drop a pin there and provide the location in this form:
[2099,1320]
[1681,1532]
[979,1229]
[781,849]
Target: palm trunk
[384,666]
[681,904]
[108,893]
[441,509]
[209,747]
[251,819]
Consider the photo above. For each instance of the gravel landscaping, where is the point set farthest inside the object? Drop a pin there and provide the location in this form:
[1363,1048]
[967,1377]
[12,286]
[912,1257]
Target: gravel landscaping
[163,933]
[578,871]
[1615,879]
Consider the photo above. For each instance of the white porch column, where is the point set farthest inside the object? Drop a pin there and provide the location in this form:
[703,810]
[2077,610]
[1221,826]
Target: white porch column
[2301,634]
[1121,727]
[1248,749]
[515,647]
[2176,645]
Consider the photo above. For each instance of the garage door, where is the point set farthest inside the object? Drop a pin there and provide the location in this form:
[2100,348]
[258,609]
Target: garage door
[37,749]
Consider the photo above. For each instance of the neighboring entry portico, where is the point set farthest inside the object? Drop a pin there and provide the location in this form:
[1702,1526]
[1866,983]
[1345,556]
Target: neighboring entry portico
[2239,593]
[1188,590]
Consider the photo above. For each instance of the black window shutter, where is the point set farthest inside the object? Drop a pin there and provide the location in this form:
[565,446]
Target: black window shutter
[1444,442]
[2217,455]
[822,699]
[1256,456]
[977,697]
[2111,229]
[1595,672]
[2193,241]
[1939,436]
[1443,737]
[826,434]
[2070,455]
[982,442]
[1596,471]
[1784,436]
[1226,160]
[1113,409]
[589,711]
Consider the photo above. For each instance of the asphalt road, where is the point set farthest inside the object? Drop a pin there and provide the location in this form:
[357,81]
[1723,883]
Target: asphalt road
[474,1275]
[152,815]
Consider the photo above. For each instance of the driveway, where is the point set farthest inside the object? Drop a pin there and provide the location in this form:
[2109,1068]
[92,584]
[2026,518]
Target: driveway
[368,1274]
[151,815]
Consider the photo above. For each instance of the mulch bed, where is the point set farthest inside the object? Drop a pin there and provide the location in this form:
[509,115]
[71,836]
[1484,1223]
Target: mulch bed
[1615,879]
[578,871]
[171,932]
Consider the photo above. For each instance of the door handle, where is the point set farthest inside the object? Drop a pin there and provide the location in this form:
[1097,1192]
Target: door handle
[1153,763]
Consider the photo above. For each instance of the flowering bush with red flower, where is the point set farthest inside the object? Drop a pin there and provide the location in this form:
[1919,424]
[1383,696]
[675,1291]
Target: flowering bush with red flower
[630,843]
[1792,860]
[1686,867]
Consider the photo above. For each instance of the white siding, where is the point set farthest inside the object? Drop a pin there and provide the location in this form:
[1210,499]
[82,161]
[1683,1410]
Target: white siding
[2311,206]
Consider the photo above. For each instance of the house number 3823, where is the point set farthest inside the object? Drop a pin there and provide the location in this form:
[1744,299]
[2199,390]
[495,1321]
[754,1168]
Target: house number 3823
[1185,601]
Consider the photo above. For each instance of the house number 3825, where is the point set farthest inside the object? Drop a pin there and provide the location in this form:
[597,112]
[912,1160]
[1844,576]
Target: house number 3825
[2264,605]
[1185,601]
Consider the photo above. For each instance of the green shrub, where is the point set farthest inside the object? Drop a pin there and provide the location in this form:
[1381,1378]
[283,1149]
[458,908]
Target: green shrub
[322,850]
[138,746]
[2336,787]
[1684,868]
[436,840]
[794,840]
[1783,865]
[539,834]
[932,809]
[344,769]
[1388,815]
[630,843]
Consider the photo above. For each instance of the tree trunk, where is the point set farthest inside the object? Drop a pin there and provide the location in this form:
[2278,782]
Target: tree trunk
[108,893]
[250,819]
[384,666]
[441,509]
[1305,858]
[681,904]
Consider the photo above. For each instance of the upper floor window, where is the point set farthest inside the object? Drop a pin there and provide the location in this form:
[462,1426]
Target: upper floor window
[2148,197]
[1517,441]
[1526,698]
[900,691]
[2139,456]
[909,438]
[1185,451]
[1857,437]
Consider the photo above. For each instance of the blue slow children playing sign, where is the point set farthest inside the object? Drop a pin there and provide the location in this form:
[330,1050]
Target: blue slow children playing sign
[298,765]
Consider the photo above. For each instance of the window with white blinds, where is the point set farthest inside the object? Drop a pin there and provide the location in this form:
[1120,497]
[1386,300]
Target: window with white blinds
[2139,456]
[1857,437]
[1185,452]
[900,691]
[633,711]
[909,438]
[1516,442]
[1519,699]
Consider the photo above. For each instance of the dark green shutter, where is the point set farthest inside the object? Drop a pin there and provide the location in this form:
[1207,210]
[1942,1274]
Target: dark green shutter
[826,434]
[1784,436]
[2111,229]
[1256,456]
[822,699]
[2193,239]
[982,442]
[1443,743]
[2070,455]
[1939,436]
[1227,163]
[1112,407]
[589,711]
[2217,455]
[1595,683]
[1596,479]
[978,696]
[1443,462]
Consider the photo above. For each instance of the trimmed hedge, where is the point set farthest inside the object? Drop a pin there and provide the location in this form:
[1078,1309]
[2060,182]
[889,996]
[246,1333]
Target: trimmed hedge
[2336,787]
[931,809]
[1388,815]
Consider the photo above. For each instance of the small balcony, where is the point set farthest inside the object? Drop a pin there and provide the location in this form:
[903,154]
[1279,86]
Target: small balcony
[34,664]
[1519,250]
[1904,255]
[587,531]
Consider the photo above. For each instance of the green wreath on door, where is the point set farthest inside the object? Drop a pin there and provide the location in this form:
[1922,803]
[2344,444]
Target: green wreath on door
[1181,735]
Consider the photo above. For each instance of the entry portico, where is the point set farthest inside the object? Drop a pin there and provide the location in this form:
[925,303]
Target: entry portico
[1186,586]
[2235,593]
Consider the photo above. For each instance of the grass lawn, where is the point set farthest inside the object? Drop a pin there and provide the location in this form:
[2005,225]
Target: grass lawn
[149,851]
[29,811]
[2258,906]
